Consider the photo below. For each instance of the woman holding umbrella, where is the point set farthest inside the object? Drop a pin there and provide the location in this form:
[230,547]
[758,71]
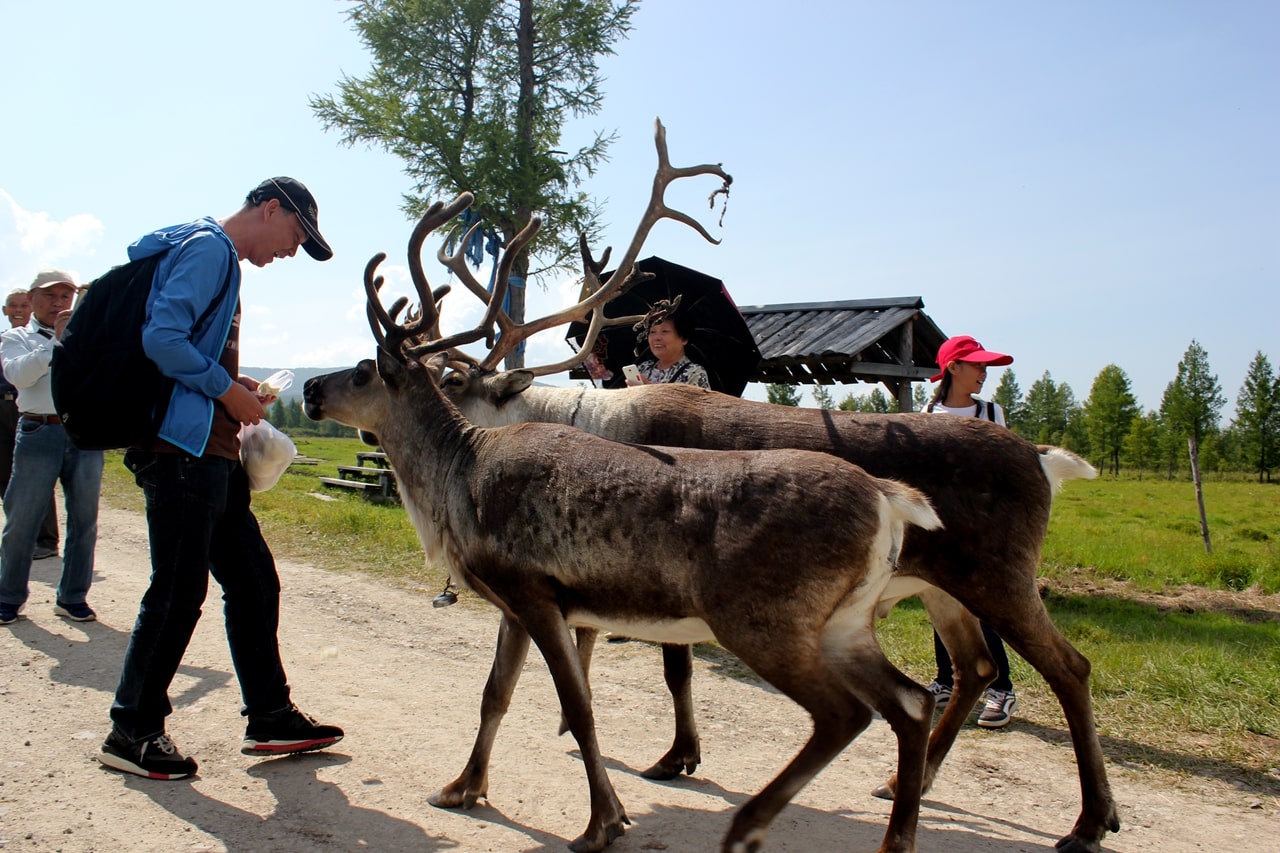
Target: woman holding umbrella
[667,333]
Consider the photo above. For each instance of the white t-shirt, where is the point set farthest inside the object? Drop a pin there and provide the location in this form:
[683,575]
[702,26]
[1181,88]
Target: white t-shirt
[977,410]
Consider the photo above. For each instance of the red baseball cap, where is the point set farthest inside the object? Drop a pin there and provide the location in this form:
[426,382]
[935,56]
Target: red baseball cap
[965,348]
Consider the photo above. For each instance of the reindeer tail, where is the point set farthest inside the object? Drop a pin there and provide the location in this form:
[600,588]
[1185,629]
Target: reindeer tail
[1061,465]
[910,505]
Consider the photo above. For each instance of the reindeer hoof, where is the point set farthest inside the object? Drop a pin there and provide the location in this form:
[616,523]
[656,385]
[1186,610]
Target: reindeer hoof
[452,798]
[596,840]
[676,761]
[665,771]
[752,842]
[885,791]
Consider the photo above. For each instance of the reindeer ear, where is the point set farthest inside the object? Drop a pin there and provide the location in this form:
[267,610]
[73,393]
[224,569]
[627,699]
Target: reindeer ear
[509,383]
[368,438]
[390,369]
[436,364]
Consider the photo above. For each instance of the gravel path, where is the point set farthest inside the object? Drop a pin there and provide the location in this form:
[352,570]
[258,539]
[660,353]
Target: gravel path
[405,680]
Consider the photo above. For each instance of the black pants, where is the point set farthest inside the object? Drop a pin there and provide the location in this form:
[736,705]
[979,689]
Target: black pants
[946,675]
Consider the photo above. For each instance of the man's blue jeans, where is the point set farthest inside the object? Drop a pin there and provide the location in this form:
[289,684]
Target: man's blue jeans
[43,455]
[200,522]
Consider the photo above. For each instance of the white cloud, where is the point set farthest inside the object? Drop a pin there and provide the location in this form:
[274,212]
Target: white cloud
[31,240]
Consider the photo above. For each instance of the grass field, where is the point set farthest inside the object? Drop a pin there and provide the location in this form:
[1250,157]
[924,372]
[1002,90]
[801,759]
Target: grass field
[1185,645]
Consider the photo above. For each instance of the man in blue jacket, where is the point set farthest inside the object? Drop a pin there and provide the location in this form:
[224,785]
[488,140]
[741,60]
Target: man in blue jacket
[197,494]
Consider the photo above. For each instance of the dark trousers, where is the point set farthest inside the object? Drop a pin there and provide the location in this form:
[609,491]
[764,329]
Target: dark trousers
[946,675]
[48,536]
[200,522]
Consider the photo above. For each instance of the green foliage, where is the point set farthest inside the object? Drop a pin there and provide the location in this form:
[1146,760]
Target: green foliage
[919,397]
[874,402]
[1193,402]
[1048,409]
[1257,421]
[1108,413]
[1009,397]
[784,395]
[1141,444]
[822,398]
[1146,532]
[474,94]
[1181,691]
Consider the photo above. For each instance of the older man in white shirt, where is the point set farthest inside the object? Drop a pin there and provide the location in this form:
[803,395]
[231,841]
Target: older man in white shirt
[43,455]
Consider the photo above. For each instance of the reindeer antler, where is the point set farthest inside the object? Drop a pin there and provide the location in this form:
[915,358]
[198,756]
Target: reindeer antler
[391,335]
[594,293]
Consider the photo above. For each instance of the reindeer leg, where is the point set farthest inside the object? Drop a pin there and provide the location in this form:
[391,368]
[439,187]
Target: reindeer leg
[586,643]
[906,707]
[835,686]
[508,660]
[686,751]
[974,668]
[1026,627]
[551,634]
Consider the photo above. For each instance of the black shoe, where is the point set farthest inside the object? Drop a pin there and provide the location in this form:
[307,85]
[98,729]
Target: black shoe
[9,613]
[285,732]
[153,758]
[81,612]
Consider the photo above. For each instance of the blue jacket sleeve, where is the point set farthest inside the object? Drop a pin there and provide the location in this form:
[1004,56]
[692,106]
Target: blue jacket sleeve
[193,281]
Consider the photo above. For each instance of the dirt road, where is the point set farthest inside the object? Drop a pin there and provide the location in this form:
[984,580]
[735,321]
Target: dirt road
[405,679]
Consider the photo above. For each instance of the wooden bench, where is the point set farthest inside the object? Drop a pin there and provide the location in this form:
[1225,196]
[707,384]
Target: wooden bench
[376,481]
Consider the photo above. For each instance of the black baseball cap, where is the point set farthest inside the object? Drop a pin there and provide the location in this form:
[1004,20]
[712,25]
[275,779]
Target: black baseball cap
[295,196]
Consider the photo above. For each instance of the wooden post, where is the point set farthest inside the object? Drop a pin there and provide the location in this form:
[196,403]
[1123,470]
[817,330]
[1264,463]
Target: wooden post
[1195,478]
[907,330]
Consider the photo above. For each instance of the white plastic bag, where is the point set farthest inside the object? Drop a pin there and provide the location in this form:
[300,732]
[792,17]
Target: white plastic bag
[276,384]
[265,453]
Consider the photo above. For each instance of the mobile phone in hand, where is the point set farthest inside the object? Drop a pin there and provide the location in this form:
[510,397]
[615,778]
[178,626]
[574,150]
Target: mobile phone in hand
[631,372]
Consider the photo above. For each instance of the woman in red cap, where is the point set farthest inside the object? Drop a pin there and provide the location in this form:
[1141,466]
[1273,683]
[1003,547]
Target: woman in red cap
[964,364]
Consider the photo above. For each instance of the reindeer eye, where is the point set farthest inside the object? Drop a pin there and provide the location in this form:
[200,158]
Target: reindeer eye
[453,379]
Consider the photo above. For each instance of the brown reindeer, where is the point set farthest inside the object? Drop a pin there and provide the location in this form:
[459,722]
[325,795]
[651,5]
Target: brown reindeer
[992,489]
[556,527]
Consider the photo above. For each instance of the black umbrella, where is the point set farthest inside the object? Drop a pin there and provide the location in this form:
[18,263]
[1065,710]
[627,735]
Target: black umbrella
[721,341]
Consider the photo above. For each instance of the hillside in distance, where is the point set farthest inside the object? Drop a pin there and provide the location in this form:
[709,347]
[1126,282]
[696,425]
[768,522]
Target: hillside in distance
[300,377]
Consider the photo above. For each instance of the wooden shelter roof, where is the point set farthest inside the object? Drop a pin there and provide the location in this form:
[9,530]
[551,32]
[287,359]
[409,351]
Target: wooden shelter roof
[891,341]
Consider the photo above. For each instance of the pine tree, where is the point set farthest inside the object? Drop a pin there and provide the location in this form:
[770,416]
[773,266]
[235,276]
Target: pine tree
[1257,421]
[878,402]
[1142,444]
[277,415]
[1107,415]
[1193,404]
[784,395]
[1009,396]
[1194,397]
[822,397]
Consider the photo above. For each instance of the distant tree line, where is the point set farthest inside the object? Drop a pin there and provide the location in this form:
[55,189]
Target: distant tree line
[1112,431]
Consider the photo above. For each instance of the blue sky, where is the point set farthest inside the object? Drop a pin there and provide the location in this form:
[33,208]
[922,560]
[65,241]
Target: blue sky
[1076,184]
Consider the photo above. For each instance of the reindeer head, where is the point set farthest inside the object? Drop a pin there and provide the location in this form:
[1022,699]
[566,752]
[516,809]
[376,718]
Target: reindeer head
[362,396]
[373,395]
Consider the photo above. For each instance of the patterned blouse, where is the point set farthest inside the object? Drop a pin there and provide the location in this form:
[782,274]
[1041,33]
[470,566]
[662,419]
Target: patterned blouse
[683,370]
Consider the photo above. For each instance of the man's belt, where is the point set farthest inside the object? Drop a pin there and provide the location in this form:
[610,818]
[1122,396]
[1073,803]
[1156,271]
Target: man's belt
[41,419]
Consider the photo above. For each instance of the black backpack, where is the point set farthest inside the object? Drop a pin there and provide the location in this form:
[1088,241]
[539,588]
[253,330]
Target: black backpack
[106,391]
